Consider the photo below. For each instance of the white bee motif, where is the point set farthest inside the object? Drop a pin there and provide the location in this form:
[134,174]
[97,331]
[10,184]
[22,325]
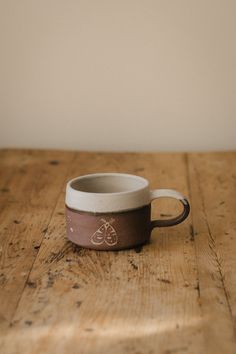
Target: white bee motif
[106,233]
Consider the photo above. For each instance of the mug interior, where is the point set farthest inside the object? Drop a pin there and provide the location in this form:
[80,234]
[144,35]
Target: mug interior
[108,183]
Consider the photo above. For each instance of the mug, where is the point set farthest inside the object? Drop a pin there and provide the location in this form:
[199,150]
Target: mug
[112,211]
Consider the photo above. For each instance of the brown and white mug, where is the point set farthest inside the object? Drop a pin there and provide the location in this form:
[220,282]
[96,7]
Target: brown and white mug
[112,211]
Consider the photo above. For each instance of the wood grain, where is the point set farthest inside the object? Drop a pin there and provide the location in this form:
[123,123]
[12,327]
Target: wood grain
[174,295]
[30,197]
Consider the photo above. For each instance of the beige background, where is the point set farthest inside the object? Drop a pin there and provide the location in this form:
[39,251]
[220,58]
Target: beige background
[118,74]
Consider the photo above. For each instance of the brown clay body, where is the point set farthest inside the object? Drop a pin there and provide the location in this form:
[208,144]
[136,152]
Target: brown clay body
[109,231]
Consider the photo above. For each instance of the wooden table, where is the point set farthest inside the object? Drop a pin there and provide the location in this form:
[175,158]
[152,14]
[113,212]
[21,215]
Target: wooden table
[174,295]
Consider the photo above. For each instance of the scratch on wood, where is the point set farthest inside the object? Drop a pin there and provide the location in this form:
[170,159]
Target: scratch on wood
[76,286]
[197,287]
[31,284]
[135,267]
[163,280]
[191,229]
[54,162]
[57,256]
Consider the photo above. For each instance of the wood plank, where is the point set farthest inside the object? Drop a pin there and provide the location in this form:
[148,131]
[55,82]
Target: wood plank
[213,194]
[135,301]
[34,182]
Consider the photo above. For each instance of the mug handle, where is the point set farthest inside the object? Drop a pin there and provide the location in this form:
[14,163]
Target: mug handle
[170,193]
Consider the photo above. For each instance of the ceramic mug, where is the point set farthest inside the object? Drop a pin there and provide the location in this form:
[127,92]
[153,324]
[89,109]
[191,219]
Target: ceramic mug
[112,211]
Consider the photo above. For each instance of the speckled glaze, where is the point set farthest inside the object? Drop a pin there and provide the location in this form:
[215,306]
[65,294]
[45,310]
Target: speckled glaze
[112,211]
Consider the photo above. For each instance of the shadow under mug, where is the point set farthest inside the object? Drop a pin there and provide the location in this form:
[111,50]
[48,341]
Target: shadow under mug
[112,211]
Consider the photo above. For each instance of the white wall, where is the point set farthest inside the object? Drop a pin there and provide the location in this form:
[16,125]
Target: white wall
[118,74]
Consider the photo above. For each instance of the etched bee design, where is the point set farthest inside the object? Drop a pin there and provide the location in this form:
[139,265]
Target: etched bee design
[106,233]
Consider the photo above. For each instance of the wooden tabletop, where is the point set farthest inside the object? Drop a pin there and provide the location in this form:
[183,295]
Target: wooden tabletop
[174,295]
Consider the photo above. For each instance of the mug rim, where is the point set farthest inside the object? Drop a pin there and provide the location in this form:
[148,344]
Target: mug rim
[96,202]
[94,175]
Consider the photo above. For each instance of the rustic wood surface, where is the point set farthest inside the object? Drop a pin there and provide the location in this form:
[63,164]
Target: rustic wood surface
[174,295]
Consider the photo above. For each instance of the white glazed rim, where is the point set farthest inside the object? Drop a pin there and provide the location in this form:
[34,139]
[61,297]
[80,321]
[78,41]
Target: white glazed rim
[108,201]
[105,174]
